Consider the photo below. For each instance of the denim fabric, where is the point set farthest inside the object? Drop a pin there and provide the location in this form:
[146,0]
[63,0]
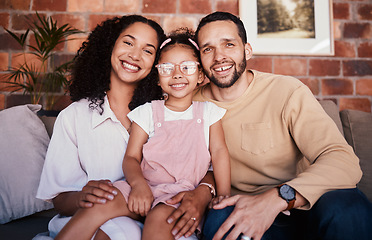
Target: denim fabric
[337,215]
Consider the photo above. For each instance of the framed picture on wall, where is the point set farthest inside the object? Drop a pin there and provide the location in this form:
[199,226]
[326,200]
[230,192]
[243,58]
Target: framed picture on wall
[288,27]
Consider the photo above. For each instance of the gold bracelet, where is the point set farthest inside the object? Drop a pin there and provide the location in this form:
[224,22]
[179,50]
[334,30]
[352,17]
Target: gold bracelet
[213,191]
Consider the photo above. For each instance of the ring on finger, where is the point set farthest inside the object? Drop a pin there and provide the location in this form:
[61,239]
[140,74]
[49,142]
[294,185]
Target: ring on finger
[245,237]
[193,218]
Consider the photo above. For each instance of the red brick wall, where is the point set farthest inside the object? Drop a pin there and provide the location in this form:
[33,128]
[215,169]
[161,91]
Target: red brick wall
[345,78]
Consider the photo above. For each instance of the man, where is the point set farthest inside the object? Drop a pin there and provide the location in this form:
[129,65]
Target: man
[272,123]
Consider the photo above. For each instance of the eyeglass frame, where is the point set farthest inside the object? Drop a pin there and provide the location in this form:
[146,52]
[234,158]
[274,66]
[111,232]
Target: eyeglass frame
[158,66]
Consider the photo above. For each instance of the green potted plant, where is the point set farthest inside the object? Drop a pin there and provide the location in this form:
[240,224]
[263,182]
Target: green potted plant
[39,77]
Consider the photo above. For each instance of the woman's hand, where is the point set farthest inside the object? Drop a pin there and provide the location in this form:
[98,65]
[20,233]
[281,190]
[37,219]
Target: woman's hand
[95,191]
[140,199]
[189,214]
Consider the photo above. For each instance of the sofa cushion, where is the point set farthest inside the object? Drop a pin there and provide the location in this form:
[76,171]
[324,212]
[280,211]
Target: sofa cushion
[358,133]
[332,110]
[23,144]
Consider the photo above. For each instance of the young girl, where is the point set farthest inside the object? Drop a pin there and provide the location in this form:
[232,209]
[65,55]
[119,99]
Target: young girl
[170,147]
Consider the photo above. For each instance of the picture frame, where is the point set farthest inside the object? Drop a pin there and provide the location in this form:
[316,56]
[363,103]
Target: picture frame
[308,31]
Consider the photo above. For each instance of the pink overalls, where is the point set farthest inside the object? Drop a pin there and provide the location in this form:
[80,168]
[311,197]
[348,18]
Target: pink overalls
[176,158]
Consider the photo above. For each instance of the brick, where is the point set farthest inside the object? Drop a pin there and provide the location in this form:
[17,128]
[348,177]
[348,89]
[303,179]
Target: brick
[172,23]
[18,59]
[365,12]
[23,21]
[17,99]
[4,61]
[2,101]
[337,87]
[8,43]
[4,20]
[365,50]
[318,67]
[344,49]
[292,66]
[357,68]
[62,58]
[74,45]
[159,6]
[341,11]
[358,30]
[51,5]
[364,87]
[7,87]
[312,84]
[85,6]
[361,104]
[32,42]
[337,30]
[15,4]
[127,6]
[62,102]
[95,20]
[195,6]
[264,64]
[231,6]
[75,21]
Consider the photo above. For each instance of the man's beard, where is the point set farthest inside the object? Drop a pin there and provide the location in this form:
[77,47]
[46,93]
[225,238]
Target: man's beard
[237,73]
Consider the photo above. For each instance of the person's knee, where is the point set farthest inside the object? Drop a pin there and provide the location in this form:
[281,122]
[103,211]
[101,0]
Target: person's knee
[214,220]
[339,209]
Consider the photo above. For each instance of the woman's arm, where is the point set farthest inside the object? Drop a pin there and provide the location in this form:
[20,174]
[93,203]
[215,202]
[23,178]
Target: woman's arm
[220,159]
[140,197]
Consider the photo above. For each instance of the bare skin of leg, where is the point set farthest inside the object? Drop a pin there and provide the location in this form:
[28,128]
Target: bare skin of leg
[156,226]
[86,221]
[101,235]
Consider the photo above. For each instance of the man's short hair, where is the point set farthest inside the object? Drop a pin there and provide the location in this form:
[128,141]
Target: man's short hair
[223,16]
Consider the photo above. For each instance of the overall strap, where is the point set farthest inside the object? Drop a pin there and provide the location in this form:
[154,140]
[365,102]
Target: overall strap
[158,111]
[198,109]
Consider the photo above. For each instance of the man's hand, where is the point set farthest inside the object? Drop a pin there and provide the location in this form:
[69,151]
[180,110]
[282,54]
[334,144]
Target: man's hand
[252,215]
[189,214]
[96,191]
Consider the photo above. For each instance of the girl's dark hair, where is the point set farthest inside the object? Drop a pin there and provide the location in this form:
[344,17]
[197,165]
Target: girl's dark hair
[179,36]
[92,64]
[223,16]
[182,36]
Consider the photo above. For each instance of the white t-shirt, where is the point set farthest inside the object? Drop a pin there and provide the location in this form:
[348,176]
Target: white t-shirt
[143,116]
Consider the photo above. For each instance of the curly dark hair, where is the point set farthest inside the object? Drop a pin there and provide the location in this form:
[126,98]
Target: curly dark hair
[92,63]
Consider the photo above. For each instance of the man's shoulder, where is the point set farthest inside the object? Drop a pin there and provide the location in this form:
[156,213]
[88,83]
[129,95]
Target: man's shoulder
[276,79]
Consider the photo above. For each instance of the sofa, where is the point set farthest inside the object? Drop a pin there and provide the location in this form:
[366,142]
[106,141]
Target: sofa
[24,138]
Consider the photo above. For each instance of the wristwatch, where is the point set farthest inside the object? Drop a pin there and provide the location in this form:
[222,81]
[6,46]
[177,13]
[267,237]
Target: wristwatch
[288,194]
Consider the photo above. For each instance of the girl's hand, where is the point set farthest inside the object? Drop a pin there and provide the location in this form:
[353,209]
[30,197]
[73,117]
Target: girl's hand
[217,200]
[140,199]
[96,191]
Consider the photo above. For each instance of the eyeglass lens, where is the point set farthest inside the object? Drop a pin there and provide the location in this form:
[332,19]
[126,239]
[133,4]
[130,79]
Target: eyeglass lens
[187,68]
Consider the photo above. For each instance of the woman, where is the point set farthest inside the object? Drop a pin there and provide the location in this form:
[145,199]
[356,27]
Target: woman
[90,136]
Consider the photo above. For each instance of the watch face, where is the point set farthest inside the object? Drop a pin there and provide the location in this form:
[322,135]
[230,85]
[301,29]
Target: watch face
[287,192]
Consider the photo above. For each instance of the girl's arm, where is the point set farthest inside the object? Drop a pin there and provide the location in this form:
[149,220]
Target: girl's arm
[140,197]
[220,159]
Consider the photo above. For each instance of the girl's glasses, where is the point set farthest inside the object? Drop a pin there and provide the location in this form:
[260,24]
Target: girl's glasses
[187,68]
